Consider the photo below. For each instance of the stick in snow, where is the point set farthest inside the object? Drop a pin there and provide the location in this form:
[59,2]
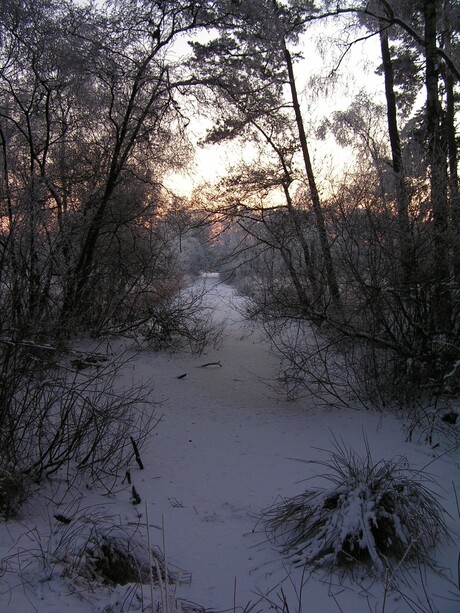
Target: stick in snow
[62,518]
[135,498]
[136,453]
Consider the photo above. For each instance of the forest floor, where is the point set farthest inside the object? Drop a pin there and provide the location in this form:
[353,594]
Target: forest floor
[226,448]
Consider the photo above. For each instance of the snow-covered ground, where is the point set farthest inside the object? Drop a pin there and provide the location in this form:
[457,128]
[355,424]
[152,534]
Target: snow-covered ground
[225,449]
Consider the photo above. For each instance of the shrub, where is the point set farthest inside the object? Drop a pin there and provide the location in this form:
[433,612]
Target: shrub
[62,417]
[375,514]
[185,320]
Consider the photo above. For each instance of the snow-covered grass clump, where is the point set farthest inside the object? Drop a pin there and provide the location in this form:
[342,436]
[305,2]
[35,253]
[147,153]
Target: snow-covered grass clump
[88,550]
[376,515]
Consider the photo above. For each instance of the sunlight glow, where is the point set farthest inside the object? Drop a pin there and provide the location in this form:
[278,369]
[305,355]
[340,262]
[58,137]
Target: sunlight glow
[324,91]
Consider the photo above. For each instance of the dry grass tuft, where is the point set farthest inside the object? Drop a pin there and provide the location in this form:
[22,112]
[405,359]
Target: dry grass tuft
[376,515]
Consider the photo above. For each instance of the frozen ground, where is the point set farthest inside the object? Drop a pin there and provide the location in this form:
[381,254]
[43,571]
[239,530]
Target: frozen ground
[225,449]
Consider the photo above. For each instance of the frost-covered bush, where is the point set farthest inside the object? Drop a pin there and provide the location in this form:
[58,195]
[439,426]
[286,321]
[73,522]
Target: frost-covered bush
[186,320]
[435,424]
[75,417]
[373,516]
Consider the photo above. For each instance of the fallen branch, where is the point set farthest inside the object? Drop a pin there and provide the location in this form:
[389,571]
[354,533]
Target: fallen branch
[136,453]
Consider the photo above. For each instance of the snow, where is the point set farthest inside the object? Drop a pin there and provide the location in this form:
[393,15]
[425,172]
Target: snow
[226,448]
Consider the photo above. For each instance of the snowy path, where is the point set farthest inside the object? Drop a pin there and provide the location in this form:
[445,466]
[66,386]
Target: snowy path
[224,450]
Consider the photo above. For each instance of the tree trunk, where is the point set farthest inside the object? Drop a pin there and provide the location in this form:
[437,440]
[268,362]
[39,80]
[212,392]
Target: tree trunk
[438,176]
[404,238]
[452,149]
[76,288]
[317,207]
[453,171]
[310,273]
